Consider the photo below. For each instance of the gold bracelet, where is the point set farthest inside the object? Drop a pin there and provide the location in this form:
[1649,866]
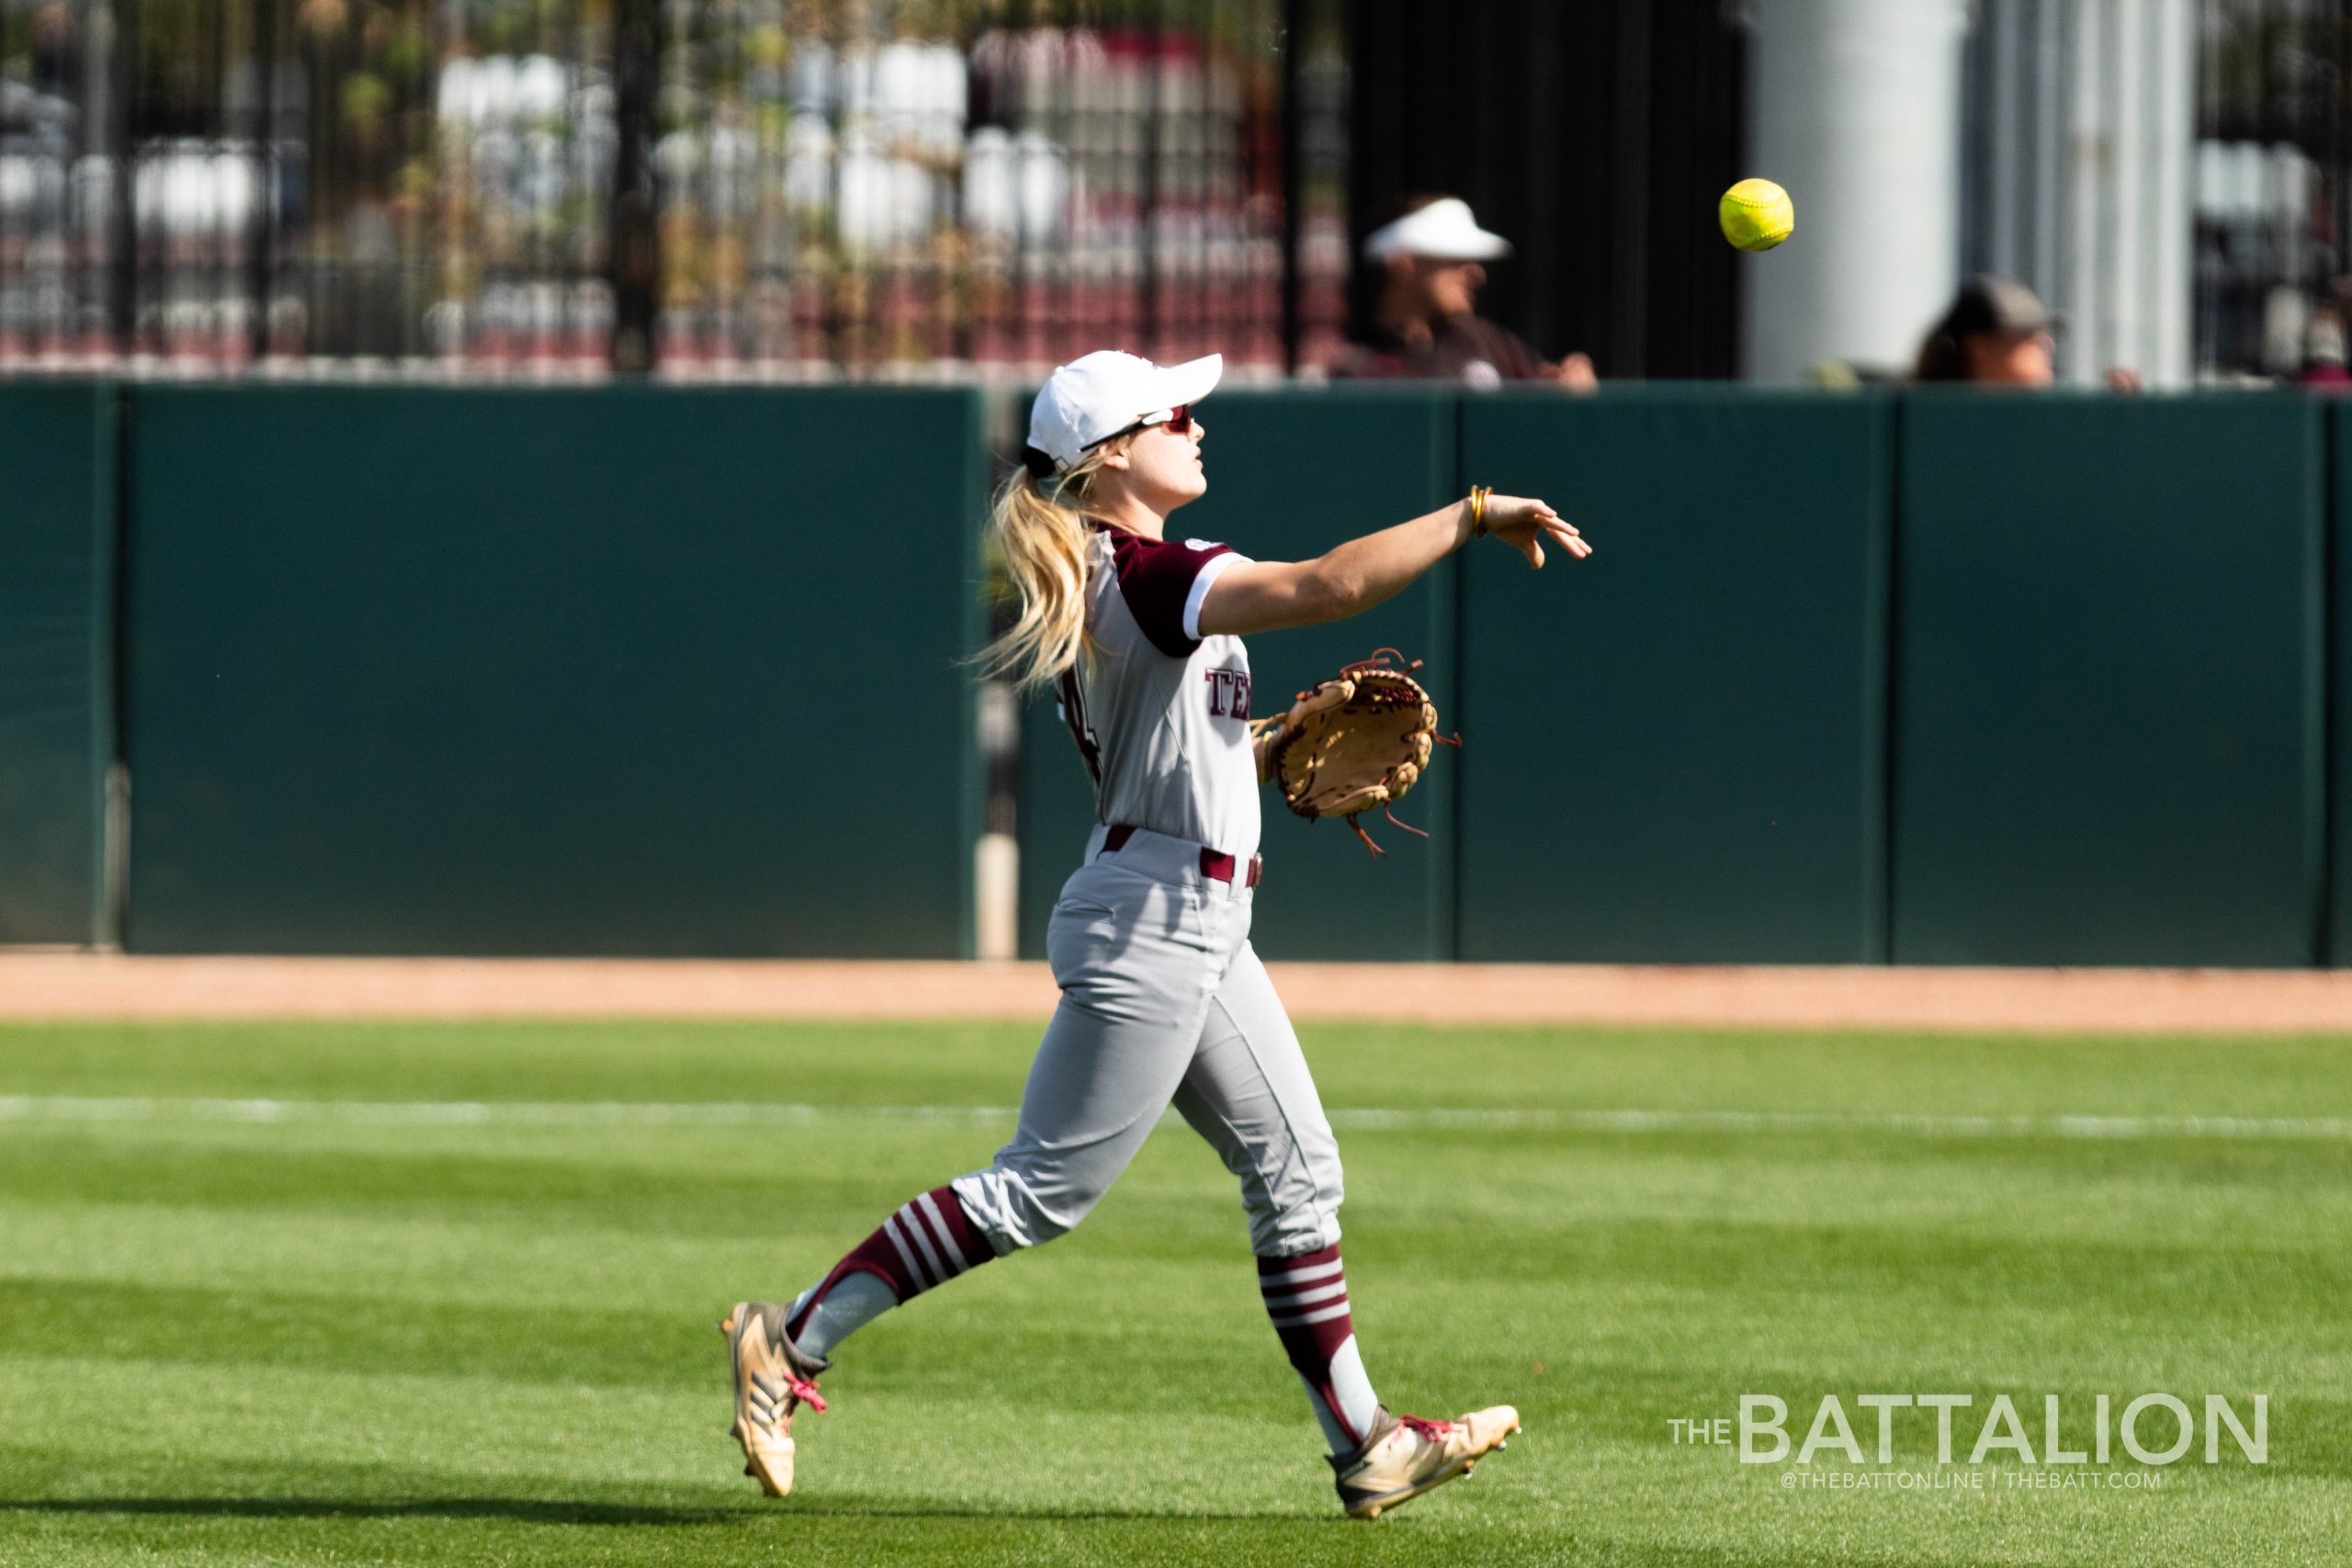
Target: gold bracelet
[1478,494]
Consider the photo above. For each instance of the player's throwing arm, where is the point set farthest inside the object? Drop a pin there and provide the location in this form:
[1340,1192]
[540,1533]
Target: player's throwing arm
[1266,596]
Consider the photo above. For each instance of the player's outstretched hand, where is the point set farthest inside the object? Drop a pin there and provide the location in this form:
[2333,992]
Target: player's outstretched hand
[1524,523]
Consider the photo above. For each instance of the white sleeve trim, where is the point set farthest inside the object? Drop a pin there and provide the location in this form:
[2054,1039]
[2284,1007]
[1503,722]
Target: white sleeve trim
[1209,570]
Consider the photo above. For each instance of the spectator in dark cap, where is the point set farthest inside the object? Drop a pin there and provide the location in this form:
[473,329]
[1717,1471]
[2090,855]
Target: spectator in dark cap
[1997,334]
[1426,266]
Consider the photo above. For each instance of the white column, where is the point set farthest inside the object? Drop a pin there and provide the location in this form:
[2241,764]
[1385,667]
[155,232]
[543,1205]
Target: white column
[2170,126]
[2124,277]
[1854,106]
[2089,194]
[2007,97]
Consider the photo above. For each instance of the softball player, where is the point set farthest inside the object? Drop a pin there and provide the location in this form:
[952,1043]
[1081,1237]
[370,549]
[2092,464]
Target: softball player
[1163,1001]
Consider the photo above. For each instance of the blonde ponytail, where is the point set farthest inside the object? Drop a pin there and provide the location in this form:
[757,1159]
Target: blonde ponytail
[1041,529]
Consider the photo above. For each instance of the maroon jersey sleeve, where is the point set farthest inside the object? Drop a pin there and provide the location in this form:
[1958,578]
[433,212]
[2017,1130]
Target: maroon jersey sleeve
[1157,578]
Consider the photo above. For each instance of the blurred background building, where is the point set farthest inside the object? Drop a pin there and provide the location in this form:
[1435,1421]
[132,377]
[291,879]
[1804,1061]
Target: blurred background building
[779,189]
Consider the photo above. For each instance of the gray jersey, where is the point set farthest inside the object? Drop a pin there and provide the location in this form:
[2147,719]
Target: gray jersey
[1161,713]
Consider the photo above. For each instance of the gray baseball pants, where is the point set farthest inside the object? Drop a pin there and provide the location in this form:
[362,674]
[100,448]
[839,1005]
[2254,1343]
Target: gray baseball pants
[1163,1001]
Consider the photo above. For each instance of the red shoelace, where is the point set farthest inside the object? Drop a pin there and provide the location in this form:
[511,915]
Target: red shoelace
[1434,1431]
[805,1391]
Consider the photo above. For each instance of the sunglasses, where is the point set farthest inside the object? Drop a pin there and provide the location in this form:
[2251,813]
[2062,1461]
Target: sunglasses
[1179,421]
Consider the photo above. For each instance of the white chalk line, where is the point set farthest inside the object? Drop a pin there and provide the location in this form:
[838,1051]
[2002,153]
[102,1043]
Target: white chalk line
[634,1114]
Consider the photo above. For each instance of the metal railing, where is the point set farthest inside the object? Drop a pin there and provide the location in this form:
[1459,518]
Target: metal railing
[2273,173]
[706,189]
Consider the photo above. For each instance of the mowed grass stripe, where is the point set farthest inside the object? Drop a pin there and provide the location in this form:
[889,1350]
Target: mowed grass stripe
[1360,1118]
[842,1064]
[676,1182]
[2038,1264]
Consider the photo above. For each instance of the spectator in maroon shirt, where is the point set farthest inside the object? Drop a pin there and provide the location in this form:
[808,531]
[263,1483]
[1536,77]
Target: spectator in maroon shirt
[1424,322]
[2324,353]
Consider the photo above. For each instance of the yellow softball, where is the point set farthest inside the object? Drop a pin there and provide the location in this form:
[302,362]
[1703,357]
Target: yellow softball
[1757,215]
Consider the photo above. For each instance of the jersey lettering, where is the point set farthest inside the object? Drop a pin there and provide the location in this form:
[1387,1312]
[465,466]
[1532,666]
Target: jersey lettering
[1228,692]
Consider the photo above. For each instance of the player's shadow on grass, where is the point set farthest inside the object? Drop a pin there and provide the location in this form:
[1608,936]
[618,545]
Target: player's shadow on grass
[851,1509]
[547,1512]
[525,1510]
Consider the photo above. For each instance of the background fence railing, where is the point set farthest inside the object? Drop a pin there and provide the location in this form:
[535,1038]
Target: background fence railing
[776,190]
[709,189]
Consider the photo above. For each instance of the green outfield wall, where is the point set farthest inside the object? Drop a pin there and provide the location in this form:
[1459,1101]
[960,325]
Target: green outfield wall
[623,670]
[57,586]
[1672,751]
[2110,744]
[1920,677]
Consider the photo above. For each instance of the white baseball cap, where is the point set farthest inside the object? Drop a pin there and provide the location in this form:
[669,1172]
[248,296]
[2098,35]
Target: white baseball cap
[1092,399]
[1443,231]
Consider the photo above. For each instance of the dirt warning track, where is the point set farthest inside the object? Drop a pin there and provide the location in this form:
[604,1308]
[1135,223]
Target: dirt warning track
[66,984]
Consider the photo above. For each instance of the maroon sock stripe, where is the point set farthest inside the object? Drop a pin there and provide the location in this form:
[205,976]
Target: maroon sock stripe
[937,1206]
[936,1229]
[956,1228]
[895,1227]
[1314,1295]
[1337,1310]
[1306,1298]
[927,1242]
[1322,1264]
[906,1223]
[1300,1291]
[1298,1275]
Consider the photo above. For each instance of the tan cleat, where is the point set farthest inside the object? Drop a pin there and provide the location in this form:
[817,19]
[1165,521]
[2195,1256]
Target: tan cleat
[1406,1456]
[772,1378]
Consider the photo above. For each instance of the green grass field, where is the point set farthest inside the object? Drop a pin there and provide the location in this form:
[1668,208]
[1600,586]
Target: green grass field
[361,1323]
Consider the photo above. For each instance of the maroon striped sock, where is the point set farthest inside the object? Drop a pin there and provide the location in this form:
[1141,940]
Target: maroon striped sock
[928,1242]
[1307,1297]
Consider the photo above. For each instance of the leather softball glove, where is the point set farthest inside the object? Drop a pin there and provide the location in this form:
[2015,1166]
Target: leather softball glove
[1358,740]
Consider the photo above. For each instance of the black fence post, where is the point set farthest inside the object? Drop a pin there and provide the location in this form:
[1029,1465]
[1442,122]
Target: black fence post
[636,230]
[121,127]
[1294,40]
[262,261]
